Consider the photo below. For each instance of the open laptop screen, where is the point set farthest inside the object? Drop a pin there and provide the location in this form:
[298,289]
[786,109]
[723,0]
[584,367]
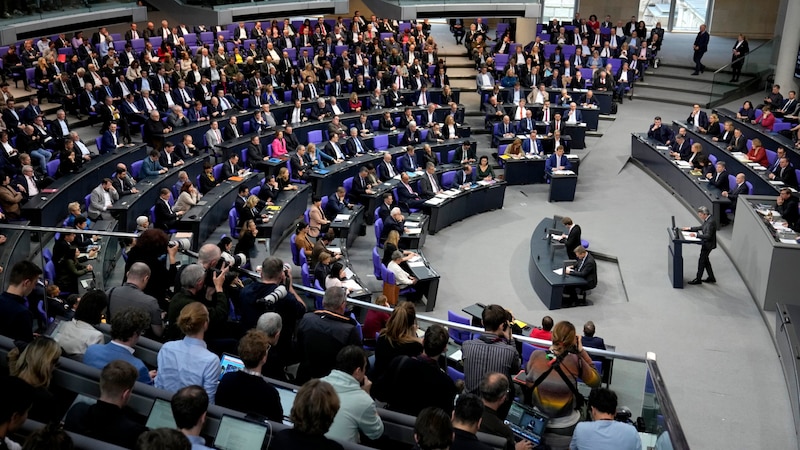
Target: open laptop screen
[160,415]
[230,363]
[238,434]
[526,423]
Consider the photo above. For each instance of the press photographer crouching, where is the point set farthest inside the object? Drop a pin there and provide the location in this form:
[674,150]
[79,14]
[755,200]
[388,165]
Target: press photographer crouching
[274,293]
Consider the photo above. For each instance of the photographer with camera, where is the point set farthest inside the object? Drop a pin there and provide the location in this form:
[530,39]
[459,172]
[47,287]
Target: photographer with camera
[274,293]
[553,375]
[605,431]
[493,351]
[193,278]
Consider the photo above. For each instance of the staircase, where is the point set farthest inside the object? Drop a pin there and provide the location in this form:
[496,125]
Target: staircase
[674,84]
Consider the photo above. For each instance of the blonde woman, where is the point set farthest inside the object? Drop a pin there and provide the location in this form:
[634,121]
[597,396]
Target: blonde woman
[35,366]
[398,338]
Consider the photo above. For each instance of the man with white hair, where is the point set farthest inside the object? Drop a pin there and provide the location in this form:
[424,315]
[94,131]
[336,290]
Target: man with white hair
[412,135]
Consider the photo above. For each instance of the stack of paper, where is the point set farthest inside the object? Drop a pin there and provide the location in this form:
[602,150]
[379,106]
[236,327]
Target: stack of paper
[411,224]
[662,147]
[559,271]
[688,236]
[418,263]
[413,231]
[341,218]
[352,285]
[563,172]
[683,164]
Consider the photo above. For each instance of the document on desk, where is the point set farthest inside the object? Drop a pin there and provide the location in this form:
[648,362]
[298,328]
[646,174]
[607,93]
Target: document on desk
[435,201]
[563,172]
[485,183]
[757,167]
[662,147]
[341,218]
[776,182]
[456,355]
[788,241]
[740,156]
[414,259]
[687,235]
[683,164]
[348,273]
[559,271]
[333,250]
[413,231]
[352,285]
[418,263]
[410,224]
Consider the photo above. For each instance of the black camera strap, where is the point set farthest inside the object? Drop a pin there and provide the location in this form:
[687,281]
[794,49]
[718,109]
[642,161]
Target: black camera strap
[557,367]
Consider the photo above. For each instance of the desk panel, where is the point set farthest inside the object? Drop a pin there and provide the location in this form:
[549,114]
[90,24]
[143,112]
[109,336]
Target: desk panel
[548,285]
[693,192]
[293,204]
[768,139]
[467,203]
[51,209]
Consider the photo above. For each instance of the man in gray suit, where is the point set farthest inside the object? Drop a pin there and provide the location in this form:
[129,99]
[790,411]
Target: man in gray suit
[707,233]
[102,198]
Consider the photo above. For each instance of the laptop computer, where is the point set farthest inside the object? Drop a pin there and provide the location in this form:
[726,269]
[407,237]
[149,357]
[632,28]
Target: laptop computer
[160,415]
[80,398]
[239,434]
[53,328]
[526,423]
[287,401]
[230,363]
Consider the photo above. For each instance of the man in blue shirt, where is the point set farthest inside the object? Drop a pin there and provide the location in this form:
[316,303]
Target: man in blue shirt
[126,328]
[189,406]
[16,320]
[604,432]
[151,166]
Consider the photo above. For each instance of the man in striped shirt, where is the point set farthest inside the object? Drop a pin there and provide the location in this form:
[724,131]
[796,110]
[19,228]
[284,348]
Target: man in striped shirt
[493,351]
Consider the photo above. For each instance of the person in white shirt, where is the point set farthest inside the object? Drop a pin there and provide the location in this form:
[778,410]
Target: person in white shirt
[401,277]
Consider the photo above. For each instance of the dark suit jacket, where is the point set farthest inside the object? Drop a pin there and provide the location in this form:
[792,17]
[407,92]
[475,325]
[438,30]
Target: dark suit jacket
[383,171]
[227,133]
[162,159]
[587,271]
[721,182]
[789,211]
[227,172]
[411,138]
[105,422]
[123,186]
[359,190]
[707,232]
[701,41]
[165,219]
[384,210]
[572,241]
[334,207]
[351,147]
[789,176]
[426,187]
[298,165]
[703,121]
[740,145]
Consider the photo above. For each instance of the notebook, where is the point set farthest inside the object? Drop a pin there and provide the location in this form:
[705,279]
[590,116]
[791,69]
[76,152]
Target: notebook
[160,415]
[526,422]
[240,434]
[230,363]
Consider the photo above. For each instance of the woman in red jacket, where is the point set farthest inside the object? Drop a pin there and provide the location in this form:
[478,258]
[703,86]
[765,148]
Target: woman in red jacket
[758,154]
[767,119]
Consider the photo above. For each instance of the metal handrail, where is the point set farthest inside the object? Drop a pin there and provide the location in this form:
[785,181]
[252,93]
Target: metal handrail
[11,226]
[743,57]
[668,412]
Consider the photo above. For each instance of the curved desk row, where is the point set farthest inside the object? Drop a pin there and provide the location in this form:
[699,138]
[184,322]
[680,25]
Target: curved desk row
[531,170]
[544,259]
[289,206]
[478,199]
[212,210]
[49,209]
[16,248]
[131,206]
[768,139]
[761,183]
[604,100]
[693,190]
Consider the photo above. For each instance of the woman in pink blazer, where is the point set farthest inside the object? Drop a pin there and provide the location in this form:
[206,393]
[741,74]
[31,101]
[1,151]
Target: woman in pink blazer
[279,145]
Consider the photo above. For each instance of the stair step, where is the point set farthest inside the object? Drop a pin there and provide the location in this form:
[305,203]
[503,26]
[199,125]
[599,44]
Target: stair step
[463,84]
[675,97]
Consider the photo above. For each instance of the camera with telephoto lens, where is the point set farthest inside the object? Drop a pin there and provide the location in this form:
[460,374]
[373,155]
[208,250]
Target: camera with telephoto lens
[182,244]
[234,261]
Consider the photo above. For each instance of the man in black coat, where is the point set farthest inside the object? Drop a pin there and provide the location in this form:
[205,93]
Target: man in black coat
[786,205]
[572,239]
[165,216]
[585,268]
[708,235]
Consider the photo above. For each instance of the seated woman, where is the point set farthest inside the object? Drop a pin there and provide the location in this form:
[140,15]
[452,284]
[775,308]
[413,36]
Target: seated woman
[336,277]
[514,149]
[713,126]
[250,212]
[68,164]
[247,239]
[246,390]
[323,268]
[175,356]
[35,366]
[278,145]
[757,153]
[68,270]
[283,180]
[553,396]
[318,223]
[390,246]
[301,239]
[207,181]
[484,170]
[746,112]
[74,210]
[354,103]
[187,198]
[398,338]
[76,335]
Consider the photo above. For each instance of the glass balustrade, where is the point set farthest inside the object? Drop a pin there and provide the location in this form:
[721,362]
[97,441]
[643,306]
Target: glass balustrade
[756,66]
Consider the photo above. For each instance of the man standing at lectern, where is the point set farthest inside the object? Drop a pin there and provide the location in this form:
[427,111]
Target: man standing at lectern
[708,237]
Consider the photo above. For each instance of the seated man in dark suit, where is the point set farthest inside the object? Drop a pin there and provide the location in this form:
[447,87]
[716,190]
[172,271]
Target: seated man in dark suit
[165,216]
[786,205]
[412,135]
[408,162]
[123,183]
[680,149]
[464,177]
[168,158]
[231,167]
[300,166]
[557,161]
[109,419]
[661,133]
[361,188]
[256,158]
[740,189]
[738,143]
[406,196]
[785,172]
[110,140]
[395,222]
[385,208]
[465,153]
[429,185]
[720,177]
[337,204]
[585,268]
[320,110]
[386,169]
[494,112]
